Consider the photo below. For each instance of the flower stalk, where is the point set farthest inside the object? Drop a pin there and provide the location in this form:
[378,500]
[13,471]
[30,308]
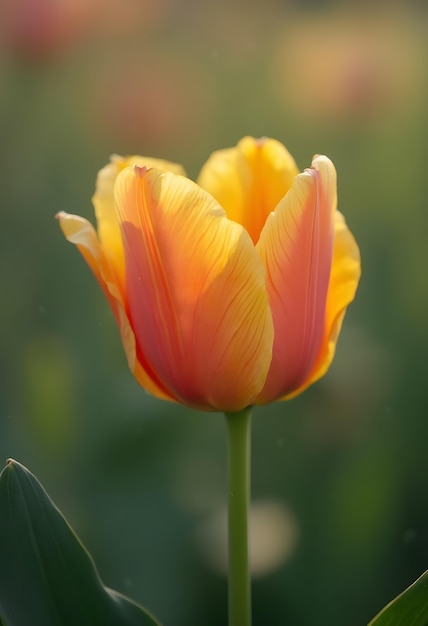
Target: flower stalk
[239,449]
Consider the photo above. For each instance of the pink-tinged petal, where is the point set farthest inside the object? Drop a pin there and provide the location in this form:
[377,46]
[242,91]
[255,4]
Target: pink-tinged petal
[103,201]
[296,247]
[249,180]
[196,291]
[344,278]
[80,232]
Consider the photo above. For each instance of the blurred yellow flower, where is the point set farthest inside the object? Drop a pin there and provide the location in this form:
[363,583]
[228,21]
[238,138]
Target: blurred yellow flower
[228,292]
[355,65]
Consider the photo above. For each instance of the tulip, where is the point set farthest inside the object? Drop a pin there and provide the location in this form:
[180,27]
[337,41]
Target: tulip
[230,291]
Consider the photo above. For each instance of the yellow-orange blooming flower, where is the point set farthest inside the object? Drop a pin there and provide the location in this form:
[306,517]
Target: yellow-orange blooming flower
[230,291]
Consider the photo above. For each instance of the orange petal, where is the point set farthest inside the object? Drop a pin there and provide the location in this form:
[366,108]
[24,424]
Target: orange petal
[79,231]
[103,201]
[345,275]
[196,291]
[249,180]
[296,247]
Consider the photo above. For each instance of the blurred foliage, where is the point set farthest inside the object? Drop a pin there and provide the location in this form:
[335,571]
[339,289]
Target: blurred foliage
[141,480]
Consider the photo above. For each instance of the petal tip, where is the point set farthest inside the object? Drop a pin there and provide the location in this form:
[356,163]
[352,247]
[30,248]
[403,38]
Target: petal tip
[140,170]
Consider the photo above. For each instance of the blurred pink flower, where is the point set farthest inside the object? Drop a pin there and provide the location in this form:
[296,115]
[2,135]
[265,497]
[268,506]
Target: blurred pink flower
[39,30]
[152,98]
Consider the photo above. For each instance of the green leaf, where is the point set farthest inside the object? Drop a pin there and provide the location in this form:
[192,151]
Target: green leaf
[47,577]
[410,608]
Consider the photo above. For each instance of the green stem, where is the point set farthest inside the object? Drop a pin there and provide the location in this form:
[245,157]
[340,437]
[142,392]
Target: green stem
[239,439]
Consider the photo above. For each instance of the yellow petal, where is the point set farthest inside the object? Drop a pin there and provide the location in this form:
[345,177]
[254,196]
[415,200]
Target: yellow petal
[196,291]
[103,201]
[79,231]
[296,247]
[249,180]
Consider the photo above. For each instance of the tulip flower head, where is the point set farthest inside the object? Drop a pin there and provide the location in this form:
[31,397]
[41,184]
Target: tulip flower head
[230,291]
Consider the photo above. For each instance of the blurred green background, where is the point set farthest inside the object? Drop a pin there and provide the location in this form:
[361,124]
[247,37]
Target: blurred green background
[340,474]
